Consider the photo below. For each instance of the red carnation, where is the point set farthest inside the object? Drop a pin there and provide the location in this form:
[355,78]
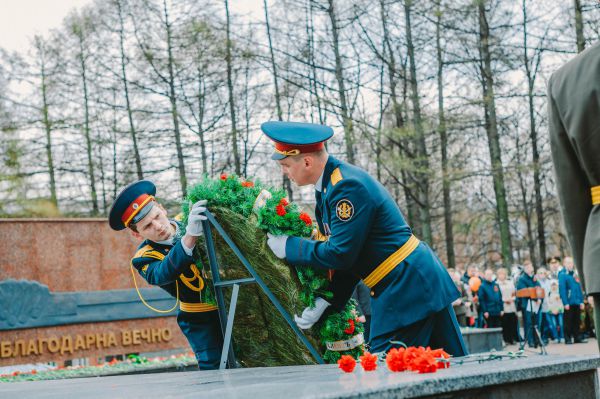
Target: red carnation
[347,363]
[305,217]
[34,371]
[350,328]
[424,364]
[280,210]
[247,184]
[395,359]
[284,202]
[368,361]
[223,176]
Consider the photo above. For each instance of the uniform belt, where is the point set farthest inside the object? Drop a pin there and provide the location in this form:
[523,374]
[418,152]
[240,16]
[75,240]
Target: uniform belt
[196,307]
[391,262]
[596,195]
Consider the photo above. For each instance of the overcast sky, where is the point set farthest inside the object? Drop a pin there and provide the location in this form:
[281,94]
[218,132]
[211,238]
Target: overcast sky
[21,19]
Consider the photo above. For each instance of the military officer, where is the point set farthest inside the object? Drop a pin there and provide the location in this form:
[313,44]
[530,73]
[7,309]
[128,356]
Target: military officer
[368,239]
[574,127]
[165,260]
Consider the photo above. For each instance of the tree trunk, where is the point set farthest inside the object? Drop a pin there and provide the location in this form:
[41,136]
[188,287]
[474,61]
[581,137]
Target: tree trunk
[579,26]
[339,75]
[132,131]
[444,143]
[286,181]
[537,184]
[201,104]
[86,126]
[530,238]
[114,147]
[47,127]
[173,100]
[422,161]
[236,154]
[492,136]
[399,123]
[312,80]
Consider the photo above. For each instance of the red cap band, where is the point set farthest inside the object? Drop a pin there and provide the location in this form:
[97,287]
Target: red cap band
[295,149]
[135,207]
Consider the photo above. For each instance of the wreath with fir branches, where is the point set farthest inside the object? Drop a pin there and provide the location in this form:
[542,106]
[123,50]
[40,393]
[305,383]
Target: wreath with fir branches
[247,211]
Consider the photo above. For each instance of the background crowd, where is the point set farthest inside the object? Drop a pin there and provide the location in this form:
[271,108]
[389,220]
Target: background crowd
[490,298]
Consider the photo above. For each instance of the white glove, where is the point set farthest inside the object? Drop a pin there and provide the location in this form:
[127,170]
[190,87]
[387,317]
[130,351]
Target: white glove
[311,315]
[195,218]
[277,244]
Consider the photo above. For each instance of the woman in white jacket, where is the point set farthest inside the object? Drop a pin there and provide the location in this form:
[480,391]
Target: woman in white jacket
[509,319]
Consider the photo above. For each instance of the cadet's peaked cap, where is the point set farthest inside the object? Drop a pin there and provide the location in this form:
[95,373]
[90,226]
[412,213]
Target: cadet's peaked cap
[293,138]
[132,204]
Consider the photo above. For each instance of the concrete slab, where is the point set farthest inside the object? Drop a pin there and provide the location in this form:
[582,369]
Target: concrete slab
[532,377]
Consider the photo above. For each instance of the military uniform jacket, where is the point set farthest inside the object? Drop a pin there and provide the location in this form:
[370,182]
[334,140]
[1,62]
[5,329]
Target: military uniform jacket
[364,227]
[574,126]
[169,267]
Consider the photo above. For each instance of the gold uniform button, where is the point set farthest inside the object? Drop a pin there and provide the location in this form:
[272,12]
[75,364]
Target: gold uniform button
[372,293]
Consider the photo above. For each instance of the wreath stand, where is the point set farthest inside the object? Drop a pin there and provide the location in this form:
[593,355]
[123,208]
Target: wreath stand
[227,319]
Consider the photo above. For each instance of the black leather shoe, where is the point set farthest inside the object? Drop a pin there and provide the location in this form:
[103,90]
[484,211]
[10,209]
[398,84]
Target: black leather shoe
[581,341]
[568,342]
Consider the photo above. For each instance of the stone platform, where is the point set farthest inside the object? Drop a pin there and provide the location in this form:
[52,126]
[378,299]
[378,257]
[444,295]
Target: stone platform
[532,378]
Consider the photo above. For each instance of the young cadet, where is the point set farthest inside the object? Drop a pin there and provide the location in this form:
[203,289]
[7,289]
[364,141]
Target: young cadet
[368,239]
[166,260]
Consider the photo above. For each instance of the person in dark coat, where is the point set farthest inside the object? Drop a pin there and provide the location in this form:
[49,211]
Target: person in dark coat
[572,299]
[574,127]
[490,299]
[529,307]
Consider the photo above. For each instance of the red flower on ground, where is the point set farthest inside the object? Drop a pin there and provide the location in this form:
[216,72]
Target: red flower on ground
[424,364]
[350,328]
[347,363]
[280,210]
[247,184]
[305,217]
[395,359]
[284,202]
[368,361]
[223,176]
[411,354]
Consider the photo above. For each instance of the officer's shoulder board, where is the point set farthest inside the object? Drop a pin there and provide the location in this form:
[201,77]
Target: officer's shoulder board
[148,252]
[336,176]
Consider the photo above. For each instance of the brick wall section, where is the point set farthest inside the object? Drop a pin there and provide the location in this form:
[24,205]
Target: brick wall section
[67,254]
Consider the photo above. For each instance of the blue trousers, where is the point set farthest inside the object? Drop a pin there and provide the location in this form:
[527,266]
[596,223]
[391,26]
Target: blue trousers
[439,330]
[558,324]
[203,332]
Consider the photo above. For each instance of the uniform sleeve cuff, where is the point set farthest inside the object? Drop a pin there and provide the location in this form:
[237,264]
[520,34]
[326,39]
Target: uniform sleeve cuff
[188,251]
[293,250]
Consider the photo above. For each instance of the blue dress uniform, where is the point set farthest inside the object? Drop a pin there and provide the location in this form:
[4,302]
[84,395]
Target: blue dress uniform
[368,239]
[170,267]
